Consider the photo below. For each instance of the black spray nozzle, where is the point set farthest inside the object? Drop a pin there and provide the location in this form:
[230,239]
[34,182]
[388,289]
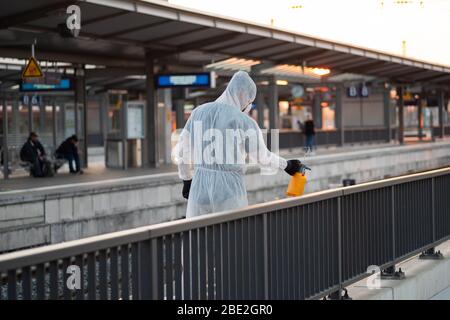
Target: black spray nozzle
[303,168]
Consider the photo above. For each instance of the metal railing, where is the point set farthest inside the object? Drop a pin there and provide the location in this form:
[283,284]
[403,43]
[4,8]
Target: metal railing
[294,138]
[298,248]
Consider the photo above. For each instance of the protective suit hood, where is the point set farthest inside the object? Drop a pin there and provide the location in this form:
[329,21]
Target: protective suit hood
[240,92]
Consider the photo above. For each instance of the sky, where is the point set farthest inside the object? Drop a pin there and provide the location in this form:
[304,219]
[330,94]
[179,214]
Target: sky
[418,29]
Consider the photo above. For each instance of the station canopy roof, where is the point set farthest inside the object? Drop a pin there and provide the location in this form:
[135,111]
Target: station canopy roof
[119,34]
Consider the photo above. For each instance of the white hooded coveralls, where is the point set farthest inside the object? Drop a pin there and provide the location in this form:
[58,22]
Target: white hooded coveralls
[217,182]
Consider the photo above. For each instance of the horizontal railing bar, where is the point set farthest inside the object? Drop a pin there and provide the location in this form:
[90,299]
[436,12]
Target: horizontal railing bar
[395,180]
[57,251]
[324,293]
[18,259]
[164,228]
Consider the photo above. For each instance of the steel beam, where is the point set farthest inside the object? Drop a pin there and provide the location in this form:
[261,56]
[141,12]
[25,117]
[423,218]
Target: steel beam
[74,58]
[33,14]
[299,55]
[129,30]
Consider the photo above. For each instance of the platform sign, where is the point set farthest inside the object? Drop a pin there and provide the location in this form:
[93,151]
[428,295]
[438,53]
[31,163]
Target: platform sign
[35,99]
[205,79]
[361,91]
[352,92]
[32,69]
[364,91]
[26,100]
[62,85]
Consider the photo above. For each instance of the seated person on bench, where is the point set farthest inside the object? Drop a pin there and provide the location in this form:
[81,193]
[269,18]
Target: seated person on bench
[68,150]
[33,152]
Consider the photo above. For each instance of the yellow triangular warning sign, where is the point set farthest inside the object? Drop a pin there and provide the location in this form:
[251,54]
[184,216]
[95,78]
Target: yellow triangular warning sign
[32,69]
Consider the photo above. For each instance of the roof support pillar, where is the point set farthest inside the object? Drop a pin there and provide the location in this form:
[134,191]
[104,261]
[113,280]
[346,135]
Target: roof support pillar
[401,120]
[317,111]
[273,104]
[339,116]
[420,104]
[151,152]
[260,100]
[260,107]
[441,103]
[387,112]
[179,97]
[5,139]
[166,124]
[81,117]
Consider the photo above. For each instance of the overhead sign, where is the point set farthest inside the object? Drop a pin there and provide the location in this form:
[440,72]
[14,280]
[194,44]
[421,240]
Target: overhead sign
[63,84]
[32,69]
[204,79]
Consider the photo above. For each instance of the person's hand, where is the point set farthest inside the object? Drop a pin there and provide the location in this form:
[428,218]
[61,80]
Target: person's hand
[293,166]
[186,188]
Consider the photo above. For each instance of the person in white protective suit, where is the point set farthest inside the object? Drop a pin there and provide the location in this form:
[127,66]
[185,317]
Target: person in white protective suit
[212,149]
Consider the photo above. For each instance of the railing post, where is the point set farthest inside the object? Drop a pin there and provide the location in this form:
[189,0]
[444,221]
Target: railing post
[339,211]
[266,257]
[145,269]
[393,220]
[433,208]
[431,253]
[390,273]
[338,295]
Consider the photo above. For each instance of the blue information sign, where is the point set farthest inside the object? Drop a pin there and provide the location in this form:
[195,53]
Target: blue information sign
[184,80]
[63,84]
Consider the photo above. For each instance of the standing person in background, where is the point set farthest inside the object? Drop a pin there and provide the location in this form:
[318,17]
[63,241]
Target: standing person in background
[68,150]
[308,130]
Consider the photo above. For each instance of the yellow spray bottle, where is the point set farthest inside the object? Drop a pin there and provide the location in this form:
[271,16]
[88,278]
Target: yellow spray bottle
[297,184]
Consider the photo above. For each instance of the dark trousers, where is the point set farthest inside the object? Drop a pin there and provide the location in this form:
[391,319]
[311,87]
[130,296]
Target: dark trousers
[37,168]
[310,141]
[71,158]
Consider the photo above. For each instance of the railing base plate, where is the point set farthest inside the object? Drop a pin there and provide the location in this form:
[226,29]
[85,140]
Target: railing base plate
[431,255]
[391,274]
[337,295]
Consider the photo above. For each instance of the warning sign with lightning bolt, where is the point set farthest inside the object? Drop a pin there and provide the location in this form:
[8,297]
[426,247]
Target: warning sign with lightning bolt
[32,69]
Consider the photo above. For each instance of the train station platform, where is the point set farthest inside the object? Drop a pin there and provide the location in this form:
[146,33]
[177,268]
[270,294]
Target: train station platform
[98,173]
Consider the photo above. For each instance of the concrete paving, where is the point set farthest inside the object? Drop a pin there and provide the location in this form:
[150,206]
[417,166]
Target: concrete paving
[424,280]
